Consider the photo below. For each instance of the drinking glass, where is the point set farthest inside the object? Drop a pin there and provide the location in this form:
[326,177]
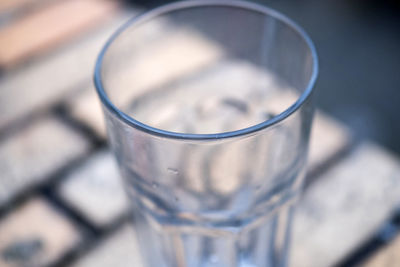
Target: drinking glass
[208,107]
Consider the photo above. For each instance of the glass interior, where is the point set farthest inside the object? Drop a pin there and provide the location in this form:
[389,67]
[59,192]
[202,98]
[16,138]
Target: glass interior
[207,69]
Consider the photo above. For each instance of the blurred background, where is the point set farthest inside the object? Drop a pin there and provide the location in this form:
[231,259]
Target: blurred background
[57,174]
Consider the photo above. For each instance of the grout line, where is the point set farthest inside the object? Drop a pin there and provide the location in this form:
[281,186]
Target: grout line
[19,124]
[358,256]
[92,243]
[22,121]
[61,112]
[317,172]
[85,225]
[381,238]
[89,232]
[93,234]
[53,179]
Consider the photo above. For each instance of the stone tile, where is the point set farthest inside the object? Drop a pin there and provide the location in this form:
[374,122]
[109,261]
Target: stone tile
[86,108]
[161,58]
[345,206]
[11,5]
[52,78]
[48,27]
[120,250]
[35,234]
[328,137]
[95,189]
[389,256]
[27,157]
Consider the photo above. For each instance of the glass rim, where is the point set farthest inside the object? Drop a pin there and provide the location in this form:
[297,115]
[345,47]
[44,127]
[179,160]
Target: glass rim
[164,9]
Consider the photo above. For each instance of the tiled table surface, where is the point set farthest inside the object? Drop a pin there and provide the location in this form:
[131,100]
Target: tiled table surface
[61,201]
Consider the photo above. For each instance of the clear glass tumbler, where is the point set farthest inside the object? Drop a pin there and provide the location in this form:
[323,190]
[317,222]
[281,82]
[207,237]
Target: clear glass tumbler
[208,106]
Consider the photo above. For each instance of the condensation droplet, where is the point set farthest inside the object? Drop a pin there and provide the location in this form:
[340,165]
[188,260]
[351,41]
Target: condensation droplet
[173,170]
